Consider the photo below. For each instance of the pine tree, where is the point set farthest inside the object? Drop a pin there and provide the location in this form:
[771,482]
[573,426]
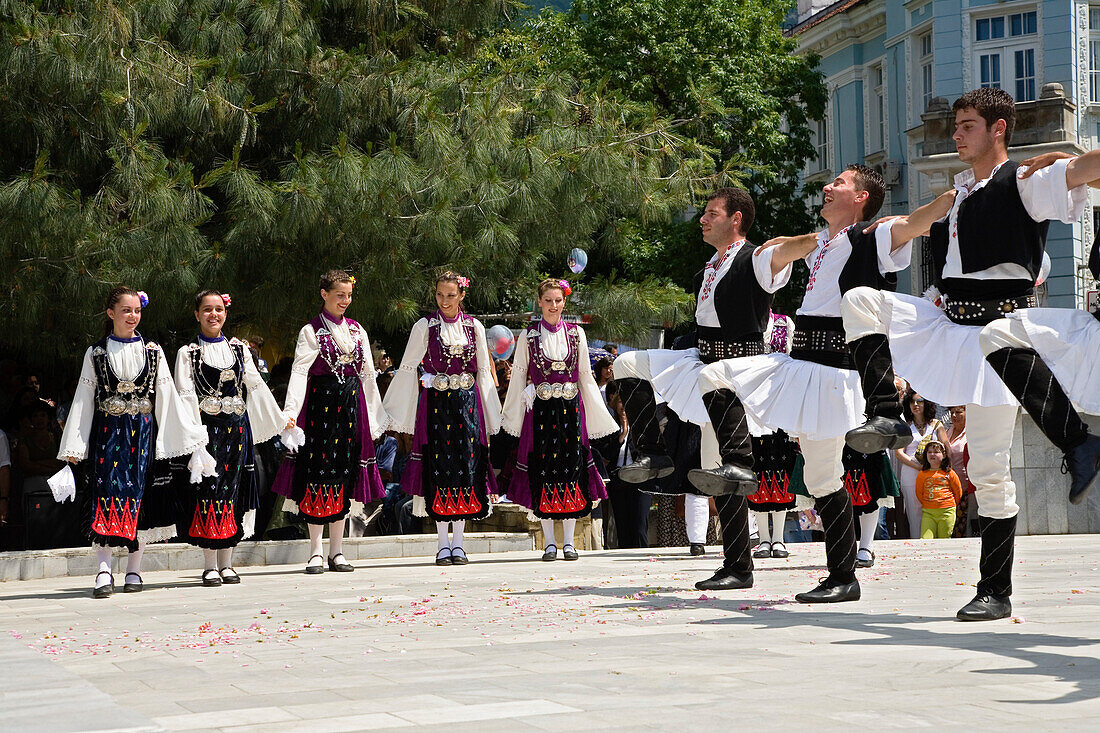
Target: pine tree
[248,145]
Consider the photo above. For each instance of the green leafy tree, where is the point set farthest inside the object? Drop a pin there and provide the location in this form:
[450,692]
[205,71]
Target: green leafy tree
[250,144]
[726,69]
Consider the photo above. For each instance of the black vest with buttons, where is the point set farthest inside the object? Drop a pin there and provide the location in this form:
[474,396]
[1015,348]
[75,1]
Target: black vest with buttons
[743,307]
[994,229]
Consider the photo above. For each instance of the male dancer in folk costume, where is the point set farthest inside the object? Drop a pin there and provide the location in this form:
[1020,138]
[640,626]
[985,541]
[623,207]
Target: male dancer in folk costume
[986,256]
[813,393]
[732,310]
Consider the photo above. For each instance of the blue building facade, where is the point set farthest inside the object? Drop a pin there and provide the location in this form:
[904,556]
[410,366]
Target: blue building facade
[893,69]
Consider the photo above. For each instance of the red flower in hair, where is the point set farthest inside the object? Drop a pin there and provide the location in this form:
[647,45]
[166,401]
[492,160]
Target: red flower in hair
[565,289]
[226,299]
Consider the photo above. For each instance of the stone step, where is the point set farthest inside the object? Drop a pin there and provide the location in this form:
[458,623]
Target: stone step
[79,561]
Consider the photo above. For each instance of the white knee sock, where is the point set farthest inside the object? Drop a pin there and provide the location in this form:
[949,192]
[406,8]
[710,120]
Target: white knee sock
[548,533]
[336,537]
[567,528]
[133,562]
[316,535]
[868,523]
[779,521]
[444,542]
[761,525]
[456,530]
[696,517]
[209,559]
[103,556]
[225,558]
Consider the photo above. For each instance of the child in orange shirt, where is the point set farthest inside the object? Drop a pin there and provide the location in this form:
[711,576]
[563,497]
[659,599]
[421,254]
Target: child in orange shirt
[938,491]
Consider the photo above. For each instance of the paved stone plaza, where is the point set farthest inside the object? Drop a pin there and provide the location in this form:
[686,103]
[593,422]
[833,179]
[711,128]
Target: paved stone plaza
[616,641]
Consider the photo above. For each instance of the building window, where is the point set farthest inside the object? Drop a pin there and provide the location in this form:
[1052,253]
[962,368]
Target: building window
[990,74]
[926,69]
[820,132]
[1006,53]
[1094,54]
[877,107]
[1025,73]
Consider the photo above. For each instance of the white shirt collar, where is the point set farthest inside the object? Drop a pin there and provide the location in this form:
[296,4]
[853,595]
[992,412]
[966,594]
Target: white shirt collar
[968,181]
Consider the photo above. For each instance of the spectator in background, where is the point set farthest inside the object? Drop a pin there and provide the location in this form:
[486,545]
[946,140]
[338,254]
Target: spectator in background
[5,477]
[921,416]
[503,369]
[255,345]
[34,382]
[36,449]
[629,505]
[967,508]
[938,491]
[611,349]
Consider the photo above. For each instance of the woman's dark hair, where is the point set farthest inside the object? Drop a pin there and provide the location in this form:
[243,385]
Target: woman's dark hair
[204,295]
[929,412]
[332,277]
[945,466]
[450,276]
[113,297]
[602,363]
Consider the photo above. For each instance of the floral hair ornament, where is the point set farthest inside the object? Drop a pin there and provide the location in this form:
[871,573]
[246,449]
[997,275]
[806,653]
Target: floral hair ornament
[463,282]
[143,298]
[351,279]
[565,289]
[227,300]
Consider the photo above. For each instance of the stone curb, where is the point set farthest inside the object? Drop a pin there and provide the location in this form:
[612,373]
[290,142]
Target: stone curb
[79,561]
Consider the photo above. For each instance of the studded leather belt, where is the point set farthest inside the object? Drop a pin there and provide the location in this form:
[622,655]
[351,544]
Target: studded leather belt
[981,312]
[710,351]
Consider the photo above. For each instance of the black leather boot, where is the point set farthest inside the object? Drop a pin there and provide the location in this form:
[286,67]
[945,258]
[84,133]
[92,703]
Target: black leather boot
[651,458]
[884,427]
[1029,378]
[838,522]
[995,566]
[735,475]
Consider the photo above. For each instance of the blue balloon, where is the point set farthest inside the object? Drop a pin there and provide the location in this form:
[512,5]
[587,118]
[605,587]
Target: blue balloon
[501,341]
[578,260]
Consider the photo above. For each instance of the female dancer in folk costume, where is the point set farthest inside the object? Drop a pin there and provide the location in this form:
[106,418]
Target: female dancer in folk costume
[554,418]
[333,397]
[126,414]
[219,382]
[448,473]
[774,458]
[872,486]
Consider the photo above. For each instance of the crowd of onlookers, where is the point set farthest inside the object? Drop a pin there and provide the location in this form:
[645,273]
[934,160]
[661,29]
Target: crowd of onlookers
[935,489]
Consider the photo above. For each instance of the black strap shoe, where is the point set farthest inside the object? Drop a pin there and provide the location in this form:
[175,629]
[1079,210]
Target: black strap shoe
[458,556]
[129,587]
[697,549]
[647,468]
[985,607]
[569,553]
[764,549]
[879,433]
[211,578]
[724,480]
[104,591]
[831,591]
[443,557]
[229,576]
[343,566]
[315,569]
[1082,464]
[725,579]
